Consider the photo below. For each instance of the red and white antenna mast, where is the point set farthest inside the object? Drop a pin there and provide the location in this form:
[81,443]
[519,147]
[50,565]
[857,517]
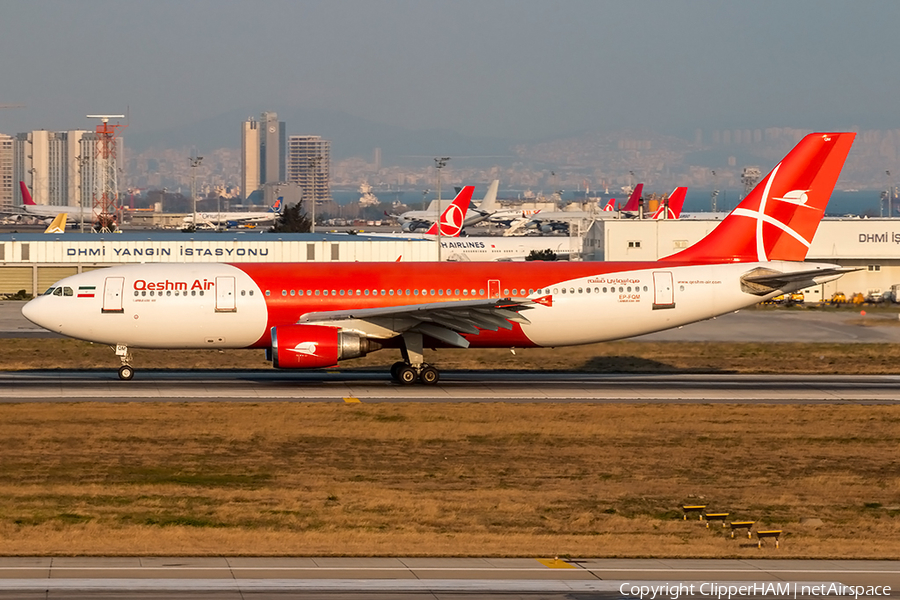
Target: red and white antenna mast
[105,196]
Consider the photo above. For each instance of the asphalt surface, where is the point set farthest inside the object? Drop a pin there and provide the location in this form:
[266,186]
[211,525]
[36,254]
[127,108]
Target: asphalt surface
[491,386]
[443,578]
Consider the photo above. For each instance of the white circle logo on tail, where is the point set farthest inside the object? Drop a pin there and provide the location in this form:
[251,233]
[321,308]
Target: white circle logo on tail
[797,197]
[305,348]
[453,221]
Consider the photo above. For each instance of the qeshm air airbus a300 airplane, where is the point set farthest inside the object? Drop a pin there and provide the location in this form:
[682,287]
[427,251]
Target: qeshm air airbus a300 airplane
[312,315]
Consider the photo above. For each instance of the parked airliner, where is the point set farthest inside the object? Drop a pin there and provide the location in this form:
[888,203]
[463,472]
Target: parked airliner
[413,220]
[561,220]
[214,219]
[314,315]
[452,220]
[44,211]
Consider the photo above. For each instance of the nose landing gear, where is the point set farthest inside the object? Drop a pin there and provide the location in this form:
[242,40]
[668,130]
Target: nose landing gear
[126,371]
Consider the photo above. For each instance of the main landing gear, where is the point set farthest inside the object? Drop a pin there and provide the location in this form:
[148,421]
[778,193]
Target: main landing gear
[126,371]
[412,369]
[406,374]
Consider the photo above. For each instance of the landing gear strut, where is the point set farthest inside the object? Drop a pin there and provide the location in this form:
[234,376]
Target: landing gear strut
[126,371]
[413,369]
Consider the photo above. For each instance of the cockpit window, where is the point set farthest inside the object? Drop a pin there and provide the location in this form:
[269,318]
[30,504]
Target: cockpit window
[58,291]
[49,291]
[67,291]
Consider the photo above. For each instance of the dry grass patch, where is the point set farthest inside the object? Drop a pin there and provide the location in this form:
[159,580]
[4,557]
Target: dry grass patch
[457,479]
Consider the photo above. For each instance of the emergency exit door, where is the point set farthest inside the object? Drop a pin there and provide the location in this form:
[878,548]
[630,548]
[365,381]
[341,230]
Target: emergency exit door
[112,294]
[225,294]
[663,290]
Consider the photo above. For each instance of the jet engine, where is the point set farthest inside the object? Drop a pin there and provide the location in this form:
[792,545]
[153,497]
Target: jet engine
[316,346]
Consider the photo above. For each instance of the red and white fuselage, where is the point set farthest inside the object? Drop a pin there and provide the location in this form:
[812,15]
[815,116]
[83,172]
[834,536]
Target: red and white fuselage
[314,315]
[236,305]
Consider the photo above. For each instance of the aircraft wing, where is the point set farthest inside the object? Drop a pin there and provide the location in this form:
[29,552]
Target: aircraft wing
[443,321]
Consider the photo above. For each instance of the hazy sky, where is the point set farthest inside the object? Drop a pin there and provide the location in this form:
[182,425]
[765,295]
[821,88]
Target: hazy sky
[519,69]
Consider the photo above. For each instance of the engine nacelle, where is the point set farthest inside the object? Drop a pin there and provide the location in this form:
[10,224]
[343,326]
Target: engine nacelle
[315,346]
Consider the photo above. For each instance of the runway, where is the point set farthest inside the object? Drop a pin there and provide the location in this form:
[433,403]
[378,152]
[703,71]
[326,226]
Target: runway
[441,578]
[455,386]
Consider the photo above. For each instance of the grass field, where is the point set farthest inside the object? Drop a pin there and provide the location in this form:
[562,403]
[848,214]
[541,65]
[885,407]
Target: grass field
[445,479]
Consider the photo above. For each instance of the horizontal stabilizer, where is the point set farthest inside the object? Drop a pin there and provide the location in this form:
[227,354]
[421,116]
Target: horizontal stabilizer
[764,281]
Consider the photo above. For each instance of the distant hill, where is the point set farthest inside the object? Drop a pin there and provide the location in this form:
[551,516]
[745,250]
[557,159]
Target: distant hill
[350,136]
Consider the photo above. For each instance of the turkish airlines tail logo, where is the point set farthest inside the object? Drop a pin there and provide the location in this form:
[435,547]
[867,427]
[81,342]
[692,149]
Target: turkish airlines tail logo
[671,208]
[454,217]
[778,219]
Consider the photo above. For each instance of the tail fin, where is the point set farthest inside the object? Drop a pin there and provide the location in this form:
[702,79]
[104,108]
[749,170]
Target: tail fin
[778,219]
[454,216]
[279,203]
[58,225]
[634,202]
[610,206]
[671,208]
[489,204]
[26,195]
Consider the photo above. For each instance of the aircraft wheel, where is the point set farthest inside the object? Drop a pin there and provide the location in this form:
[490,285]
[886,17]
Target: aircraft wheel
[407,375]
[126,372]
[429,376]
[395,370]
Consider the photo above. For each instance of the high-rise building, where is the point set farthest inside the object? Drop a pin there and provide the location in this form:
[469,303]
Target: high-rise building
[7,183]
[271,149]
[58,167]
[309,166]
[263,153]
[249,157]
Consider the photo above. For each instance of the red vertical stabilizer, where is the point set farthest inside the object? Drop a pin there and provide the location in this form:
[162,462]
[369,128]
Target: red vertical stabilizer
[778,219]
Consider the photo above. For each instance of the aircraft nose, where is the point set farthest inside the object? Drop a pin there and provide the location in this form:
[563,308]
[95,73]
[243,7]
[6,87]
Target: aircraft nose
[38,312]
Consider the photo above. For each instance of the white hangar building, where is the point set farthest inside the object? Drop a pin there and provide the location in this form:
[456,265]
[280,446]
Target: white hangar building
[34,261]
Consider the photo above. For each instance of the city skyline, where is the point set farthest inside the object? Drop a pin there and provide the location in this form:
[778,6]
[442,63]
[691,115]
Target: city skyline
[515,71]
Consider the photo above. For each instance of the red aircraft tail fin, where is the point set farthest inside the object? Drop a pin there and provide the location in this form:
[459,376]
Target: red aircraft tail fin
[26,195]
[778,219]
[672,206]
[634,202]
[454,216]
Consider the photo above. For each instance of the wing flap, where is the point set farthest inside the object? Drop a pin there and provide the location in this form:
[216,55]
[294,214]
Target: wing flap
[444,321]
